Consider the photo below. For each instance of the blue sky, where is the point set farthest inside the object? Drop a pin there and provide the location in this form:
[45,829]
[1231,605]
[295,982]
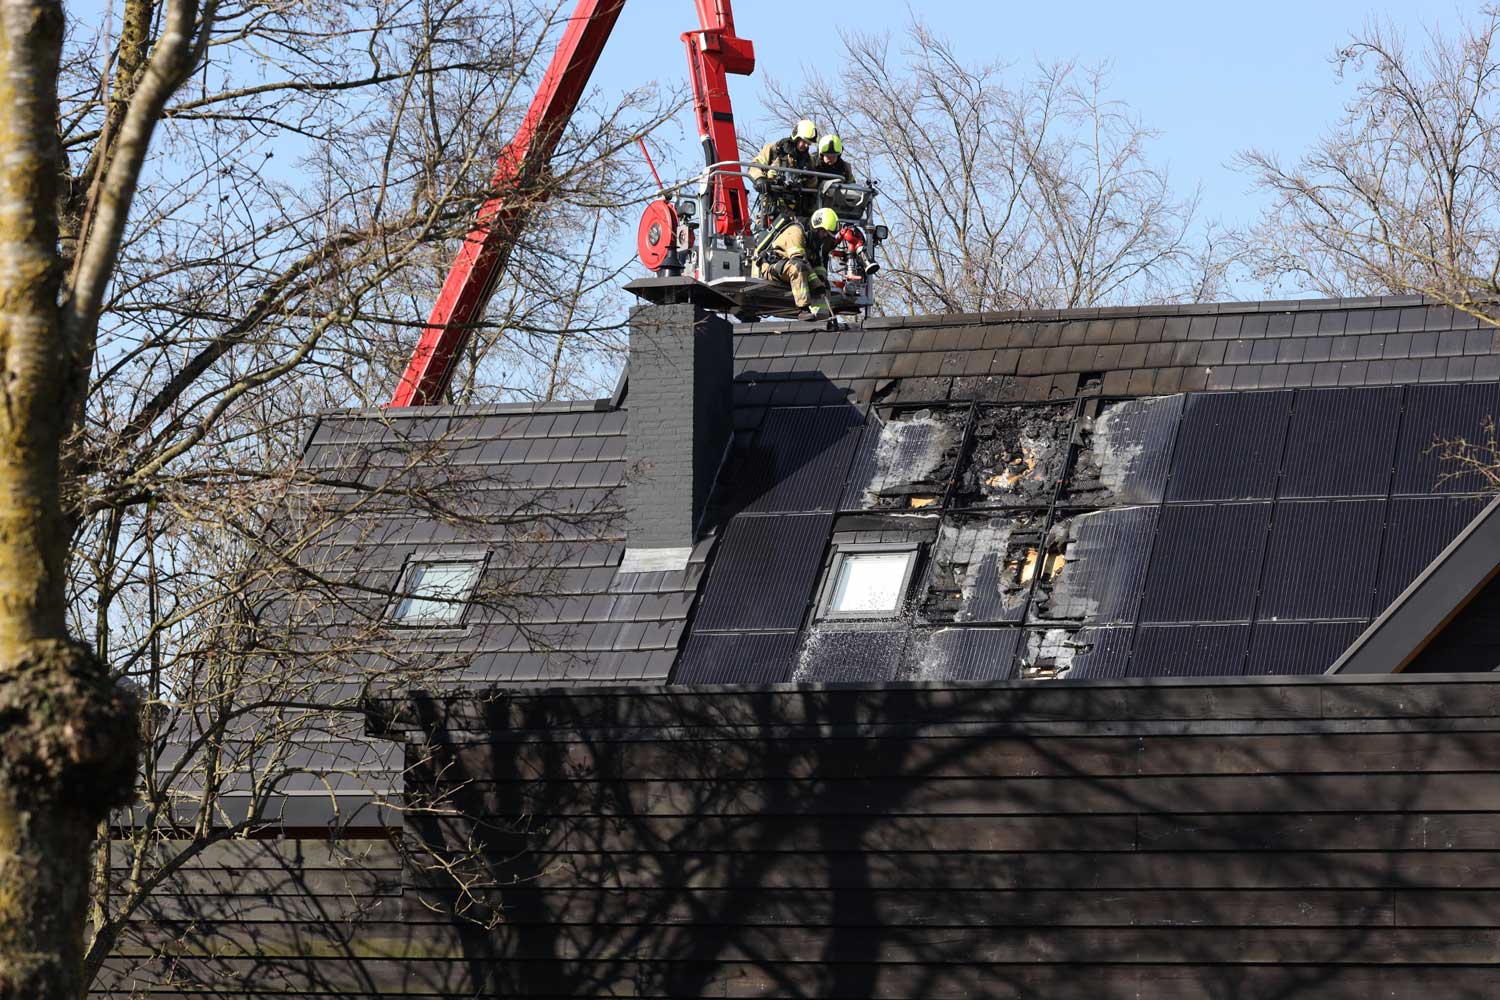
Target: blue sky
[1213,79]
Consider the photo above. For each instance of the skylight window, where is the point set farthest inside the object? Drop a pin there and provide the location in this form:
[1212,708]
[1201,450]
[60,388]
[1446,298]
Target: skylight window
[436,593]
[867,582]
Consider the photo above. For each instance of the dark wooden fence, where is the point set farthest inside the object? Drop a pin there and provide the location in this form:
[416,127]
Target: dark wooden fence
[1162,840]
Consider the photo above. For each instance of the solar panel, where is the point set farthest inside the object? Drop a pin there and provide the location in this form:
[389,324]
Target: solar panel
[1189,650]
[1129,451]
[1229,446]
[764,572]
[737,658]
[1416,531]
[1436,413]
[1206,562]
[850,656]
[1100,653]
[798,461]
[964,654]
[1341,442]
[1322,559]
[1105,567]
[1298,647]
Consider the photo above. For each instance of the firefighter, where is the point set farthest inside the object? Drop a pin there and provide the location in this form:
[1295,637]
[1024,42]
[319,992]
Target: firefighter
[794,151]
[831,158]
[798,257]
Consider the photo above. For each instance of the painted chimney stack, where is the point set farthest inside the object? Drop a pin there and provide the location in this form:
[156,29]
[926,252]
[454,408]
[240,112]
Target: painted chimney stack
[680,400]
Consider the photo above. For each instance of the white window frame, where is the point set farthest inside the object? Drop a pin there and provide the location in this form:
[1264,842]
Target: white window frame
[457,603]
[841,552]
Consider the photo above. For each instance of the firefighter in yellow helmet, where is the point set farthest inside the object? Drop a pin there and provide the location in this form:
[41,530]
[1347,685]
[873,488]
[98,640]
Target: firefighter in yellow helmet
[794,151]
[797,256]
[831,158]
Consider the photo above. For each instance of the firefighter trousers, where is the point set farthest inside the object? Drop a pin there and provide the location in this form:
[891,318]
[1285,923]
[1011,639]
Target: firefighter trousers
[797,273]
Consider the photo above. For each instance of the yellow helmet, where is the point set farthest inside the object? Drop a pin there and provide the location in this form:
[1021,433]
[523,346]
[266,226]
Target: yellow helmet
[826,218]
[830,143]
[806,130]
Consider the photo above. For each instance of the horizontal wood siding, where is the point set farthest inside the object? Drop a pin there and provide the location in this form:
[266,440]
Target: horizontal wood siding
[1319,838]
[1312,839]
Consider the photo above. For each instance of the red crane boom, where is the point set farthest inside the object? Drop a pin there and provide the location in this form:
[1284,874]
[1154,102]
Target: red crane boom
[713,51]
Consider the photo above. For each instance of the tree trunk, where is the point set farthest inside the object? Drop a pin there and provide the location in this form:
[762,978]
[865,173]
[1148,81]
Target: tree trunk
[67,734]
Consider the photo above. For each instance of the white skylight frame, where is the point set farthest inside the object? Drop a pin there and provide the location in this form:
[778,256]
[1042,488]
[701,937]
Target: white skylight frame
[441,601]
[887,571]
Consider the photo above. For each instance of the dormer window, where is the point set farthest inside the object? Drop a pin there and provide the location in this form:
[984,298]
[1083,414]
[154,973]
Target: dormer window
[867,581]
[436,592]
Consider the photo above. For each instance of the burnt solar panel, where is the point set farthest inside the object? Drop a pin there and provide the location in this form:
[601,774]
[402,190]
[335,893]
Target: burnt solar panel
[1298,647]
[737,658]
[1206,562]
[1322,559]
[1434,414]
[1189,650]
[964,654]
[1131,447]
[1341,442]
[1105,567]
[1229,446]
[1100,653]
[1417,529]
[799,460]
[763,575]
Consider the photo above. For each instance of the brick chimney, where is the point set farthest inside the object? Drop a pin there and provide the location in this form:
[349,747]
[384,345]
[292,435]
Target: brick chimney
[681,378]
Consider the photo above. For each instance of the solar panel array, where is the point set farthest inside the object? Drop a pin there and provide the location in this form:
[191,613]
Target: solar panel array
[1211,533]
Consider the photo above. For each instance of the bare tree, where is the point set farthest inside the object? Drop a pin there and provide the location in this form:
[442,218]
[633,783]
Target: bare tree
[1402,194]
[1005,194]
[216,222]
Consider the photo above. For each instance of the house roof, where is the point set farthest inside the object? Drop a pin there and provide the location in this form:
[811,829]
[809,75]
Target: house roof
[1179,490]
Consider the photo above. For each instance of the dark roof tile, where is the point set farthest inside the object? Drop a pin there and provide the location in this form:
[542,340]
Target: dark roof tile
[1225,327]
[1479,341]
[1451,342]
[1299,375]
[1005,362]
[1168,381]
[1211,353]
[1179,328]
[1386,321]
[1332,323]
[1424,345]
[1434,370]
[1413,318]
[1152,328]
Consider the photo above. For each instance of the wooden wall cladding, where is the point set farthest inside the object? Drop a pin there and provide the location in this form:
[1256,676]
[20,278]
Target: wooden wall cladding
[1314,838]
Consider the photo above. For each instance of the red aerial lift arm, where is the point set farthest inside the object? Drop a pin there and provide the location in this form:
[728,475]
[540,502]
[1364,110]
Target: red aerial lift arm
[713,51]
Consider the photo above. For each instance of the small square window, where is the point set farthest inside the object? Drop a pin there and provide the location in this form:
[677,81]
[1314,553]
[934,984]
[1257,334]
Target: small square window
[436,592]
[867,582]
